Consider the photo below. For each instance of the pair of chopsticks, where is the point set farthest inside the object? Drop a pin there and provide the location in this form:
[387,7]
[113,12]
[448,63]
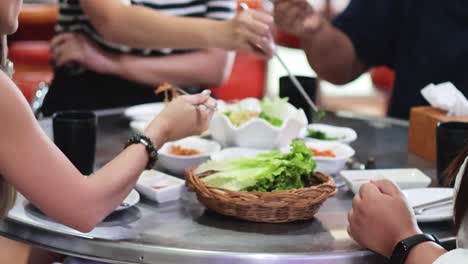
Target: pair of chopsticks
[419,209]
[318,114]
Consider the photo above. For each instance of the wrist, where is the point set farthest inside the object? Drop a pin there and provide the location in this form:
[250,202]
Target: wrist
[404,235]
[158,133]
[116,65]
[221,35]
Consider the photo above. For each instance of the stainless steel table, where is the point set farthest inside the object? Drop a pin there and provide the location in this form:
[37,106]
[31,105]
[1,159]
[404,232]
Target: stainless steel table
[184,232]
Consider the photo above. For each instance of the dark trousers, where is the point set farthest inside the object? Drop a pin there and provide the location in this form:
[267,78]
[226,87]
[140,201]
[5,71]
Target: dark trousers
[93,91]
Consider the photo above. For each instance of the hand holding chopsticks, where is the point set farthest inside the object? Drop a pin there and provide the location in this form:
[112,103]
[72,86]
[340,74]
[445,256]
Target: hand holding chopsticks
[317,114]
[174,90]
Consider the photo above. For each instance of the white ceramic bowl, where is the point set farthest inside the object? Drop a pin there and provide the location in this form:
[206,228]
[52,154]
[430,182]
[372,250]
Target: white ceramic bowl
[256,133]
[329,165]
[343,134]
[177,164]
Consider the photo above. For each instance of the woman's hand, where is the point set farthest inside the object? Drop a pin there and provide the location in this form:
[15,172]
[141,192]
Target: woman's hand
[381,217]
[185,116]
[76,48]
[297,17]
[251,31]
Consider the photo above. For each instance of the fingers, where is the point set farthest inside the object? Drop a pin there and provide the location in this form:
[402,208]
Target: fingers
[368,190]
[387,187]
[67,52]
[196,99]
[61,39]
[264,18]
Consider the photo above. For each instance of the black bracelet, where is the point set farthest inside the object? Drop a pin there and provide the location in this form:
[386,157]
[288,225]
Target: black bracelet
[149,146]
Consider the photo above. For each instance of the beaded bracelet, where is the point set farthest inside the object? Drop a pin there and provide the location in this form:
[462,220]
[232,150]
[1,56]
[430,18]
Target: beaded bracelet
[149,146]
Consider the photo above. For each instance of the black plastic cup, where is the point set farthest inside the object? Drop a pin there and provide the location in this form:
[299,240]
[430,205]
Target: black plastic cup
[451,138]
[287,89]
[75,135]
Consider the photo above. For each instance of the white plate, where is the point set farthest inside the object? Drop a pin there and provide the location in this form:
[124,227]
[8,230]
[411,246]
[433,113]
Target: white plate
[233,153]
[144,112]
[344,134]
[132,199]
[404,178]
[417,197]
[171,187]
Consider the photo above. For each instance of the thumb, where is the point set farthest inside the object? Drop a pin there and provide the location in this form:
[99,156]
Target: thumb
[387,187]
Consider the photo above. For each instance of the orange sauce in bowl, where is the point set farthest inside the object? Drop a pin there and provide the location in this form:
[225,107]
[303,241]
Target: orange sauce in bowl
[323,153]
[180,151]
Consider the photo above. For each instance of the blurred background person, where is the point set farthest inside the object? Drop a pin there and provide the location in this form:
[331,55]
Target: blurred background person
[94,73]
[395,33]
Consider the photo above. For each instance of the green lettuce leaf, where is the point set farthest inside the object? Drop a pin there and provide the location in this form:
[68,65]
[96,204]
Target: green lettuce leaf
[266,172]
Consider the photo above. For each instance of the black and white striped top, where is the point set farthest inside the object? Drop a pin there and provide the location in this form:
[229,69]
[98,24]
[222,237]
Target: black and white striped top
[72,19]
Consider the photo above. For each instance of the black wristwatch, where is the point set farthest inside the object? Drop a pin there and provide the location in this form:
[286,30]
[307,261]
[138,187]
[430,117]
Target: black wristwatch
[149,146]
[403,248]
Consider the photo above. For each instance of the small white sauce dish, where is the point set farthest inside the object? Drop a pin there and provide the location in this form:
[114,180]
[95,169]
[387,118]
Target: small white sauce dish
[331,165]
[160,187]
[177,164]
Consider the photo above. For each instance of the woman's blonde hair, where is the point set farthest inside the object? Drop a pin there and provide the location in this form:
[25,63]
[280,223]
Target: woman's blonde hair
[7,192]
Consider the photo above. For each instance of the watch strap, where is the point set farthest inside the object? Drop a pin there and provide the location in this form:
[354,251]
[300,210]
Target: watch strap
[403,248]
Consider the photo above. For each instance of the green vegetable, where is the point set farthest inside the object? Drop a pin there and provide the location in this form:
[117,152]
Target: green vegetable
[272,120]
[266,173]
[274,111]
[320,135]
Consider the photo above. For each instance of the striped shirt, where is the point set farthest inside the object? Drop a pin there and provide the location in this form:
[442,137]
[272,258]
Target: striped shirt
[73,19]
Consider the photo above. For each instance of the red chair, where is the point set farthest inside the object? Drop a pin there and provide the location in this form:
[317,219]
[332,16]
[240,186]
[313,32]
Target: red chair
[29,47]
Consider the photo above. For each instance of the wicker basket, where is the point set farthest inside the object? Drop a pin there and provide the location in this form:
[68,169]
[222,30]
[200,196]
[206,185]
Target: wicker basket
[270,207]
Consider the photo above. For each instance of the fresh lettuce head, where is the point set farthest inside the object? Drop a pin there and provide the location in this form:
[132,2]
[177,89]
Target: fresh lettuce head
[266,172]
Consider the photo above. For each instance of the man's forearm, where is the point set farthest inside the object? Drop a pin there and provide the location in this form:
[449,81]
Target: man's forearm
[332,55]
[206,68]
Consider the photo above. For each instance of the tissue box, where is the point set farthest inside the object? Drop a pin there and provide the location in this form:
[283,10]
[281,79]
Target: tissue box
[422,130]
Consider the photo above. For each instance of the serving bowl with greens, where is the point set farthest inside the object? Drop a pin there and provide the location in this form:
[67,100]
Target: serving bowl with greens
[272,187]
[253,123]
[328,133]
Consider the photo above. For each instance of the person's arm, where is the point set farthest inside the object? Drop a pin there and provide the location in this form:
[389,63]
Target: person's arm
[363,36]
[381,217]
[41,172]
[204,68]
[141,27]
[425,253]
[329,51]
